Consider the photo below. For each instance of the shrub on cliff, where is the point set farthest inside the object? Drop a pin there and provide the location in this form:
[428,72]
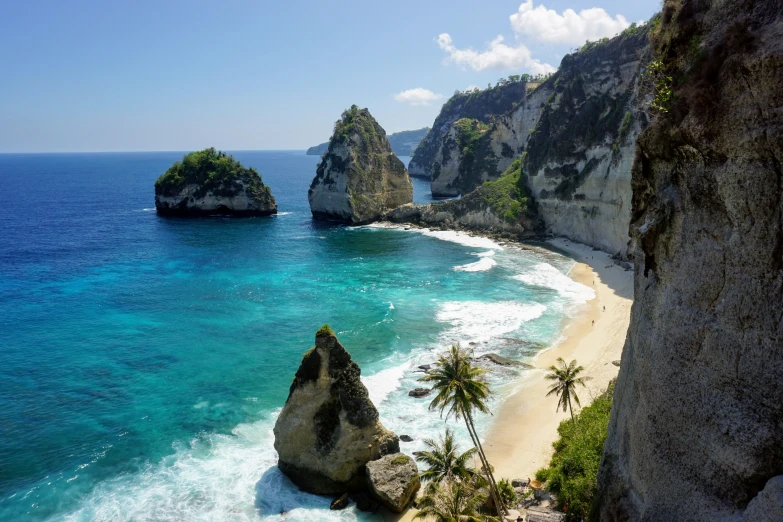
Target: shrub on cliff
[211,170]
[573,470]
[508,195]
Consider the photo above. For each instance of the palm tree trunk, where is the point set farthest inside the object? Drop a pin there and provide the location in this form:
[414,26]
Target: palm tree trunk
[493,487]
[571,408]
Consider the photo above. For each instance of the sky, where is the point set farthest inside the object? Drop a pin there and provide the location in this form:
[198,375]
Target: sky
[92,76]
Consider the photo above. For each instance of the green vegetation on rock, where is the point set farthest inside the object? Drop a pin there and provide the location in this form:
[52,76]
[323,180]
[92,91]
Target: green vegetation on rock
[325,330]
[214,171]
[399,460]
[509,195]
[573,470]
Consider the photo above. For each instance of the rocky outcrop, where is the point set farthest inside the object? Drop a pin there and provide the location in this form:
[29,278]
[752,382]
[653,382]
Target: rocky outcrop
[696,431]
[402,143]
[359,178]
[211,182]
[393,480]
[575,134]
[502,207]
[329,429]
[479,105]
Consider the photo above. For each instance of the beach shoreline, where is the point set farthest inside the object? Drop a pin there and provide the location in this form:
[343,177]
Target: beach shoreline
[519,440]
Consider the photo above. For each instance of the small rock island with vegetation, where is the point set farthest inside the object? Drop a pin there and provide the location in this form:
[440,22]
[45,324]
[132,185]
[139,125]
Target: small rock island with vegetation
[359,178]
[210,182]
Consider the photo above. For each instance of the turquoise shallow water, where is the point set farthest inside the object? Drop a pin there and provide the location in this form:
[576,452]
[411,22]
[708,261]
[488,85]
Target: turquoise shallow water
[144,359]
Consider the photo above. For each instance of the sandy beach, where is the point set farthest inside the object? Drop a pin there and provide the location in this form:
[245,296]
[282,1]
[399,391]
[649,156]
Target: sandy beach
[520,439]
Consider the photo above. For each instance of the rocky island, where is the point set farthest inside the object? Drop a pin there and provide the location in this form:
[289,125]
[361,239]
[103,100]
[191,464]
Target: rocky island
[210,182]
[403,143]
[329,430]
[359,178]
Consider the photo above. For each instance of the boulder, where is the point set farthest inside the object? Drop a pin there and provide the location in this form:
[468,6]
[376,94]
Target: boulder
[211,182]
[393,480]
[419,392]
[329,429]
[406,438]
[359,178]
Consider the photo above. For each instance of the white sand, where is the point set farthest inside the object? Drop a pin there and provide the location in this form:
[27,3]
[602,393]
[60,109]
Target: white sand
[520,439]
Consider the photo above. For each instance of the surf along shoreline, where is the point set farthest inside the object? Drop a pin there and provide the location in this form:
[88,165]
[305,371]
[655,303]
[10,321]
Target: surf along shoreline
[524,426]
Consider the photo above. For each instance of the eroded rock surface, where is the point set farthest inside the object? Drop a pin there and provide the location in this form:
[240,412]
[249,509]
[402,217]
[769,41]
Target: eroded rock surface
[329,429]
[393,480]
[697,423]
[359,178]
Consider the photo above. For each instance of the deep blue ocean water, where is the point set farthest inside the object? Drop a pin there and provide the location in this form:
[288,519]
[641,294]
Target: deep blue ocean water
[143,359]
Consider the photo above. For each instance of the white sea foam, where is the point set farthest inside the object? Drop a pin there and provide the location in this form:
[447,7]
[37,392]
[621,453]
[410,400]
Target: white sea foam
[479,320]
[544,275]
[462,238]
[384,382]
[282,214]
[482,265]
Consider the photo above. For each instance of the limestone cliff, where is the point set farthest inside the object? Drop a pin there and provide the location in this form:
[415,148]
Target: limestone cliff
[359,178]
[575,131]
[697,424]
[329,429]
[211,182]
[503,206]
[479,105]
[579,157]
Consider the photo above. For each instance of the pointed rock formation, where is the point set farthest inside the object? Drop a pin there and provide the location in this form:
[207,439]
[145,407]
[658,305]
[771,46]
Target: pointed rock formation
[329,429]
[359,178]
[211,182]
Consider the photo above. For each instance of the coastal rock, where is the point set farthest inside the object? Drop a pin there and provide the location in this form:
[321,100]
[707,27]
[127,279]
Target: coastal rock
[502,361]
[393,480]
[211,182]
[329,429]
[419,392]
[696,430]
[365,502]
[359,178]
[403,143]
[406,438]
[502,207]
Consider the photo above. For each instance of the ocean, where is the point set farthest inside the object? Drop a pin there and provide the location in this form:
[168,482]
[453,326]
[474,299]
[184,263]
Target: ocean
[143,360]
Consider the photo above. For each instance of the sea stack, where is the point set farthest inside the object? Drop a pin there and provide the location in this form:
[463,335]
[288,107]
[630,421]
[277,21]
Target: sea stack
[329,428]
[212,182]
[359,178]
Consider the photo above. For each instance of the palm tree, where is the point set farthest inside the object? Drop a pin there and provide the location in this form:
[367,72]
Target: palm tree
[461,388]
[444,462]
[452,501]
[567,378]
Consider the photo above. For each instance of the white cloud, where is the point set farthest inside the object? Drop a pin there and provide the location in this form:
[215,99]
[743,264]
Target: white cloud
[498,56]
[570,27]
[417,96]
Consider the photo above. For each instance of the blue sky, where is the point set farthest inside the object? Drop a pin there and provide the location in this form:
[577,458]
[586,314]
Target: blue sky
[168,75]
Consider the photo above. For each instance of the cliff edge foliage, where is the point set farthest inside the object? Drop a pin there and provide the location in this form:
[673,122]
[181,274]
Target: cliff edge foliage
[211,181]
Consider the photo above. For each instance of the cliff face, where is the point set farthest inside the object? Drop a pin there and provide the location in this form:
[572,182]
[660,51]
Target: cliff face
[475,105]
[329,429]
[579,158]
[697,423]
[576,133]
[211,182]
[359,177]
